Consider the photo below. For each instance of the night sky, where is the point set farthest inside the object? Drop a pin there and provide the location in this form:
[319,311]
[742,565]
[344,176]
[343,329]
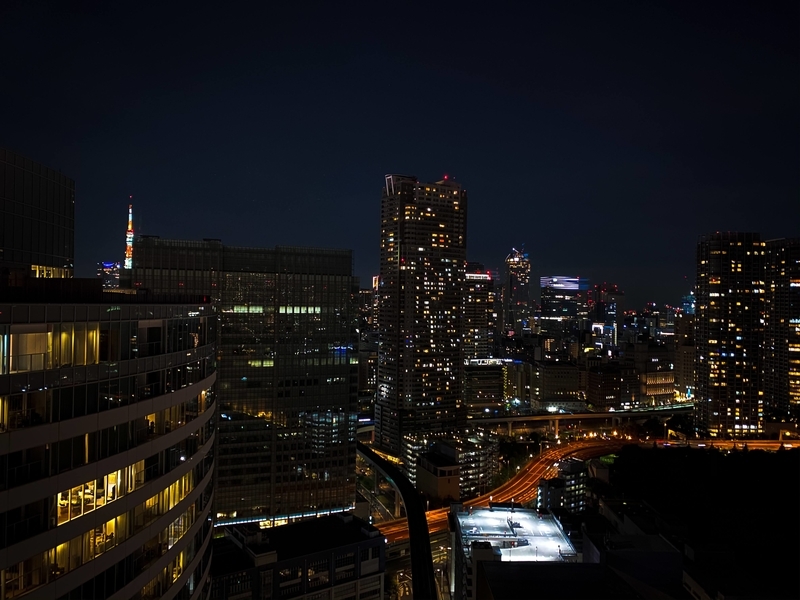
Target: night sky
[602,136]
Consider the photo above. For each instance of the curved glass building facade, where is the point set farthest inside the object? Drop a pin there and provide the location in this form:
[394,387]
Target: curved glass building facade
[107,431]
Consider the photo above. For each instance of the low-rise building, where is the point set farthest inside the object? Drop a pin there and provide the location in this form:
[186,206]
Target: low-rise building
[550,493]
[597,469]
[556,380]
[437,476]
[337,556]
[501,534]
[567,491]
[511,581]
[476,454]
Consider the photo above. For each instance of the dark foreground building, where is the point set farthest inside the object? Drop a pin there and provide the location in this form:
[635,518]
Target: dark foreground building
[288,370]
[37,220]
[333,557]
[106,442]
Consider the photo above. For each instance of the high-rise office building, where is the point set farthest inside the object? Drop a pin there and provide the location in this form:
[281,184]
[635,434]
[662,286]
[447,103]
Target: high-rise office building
[37,220]
[108,273]
[484,386]
[607,310]
[782,344]
[603,386]
[564,304]
[517,292]
[654,366]
[366,313]
[688,303]
[288,371]
[479,320]
[729,334]
[423,258]
[684,356]
[107,431]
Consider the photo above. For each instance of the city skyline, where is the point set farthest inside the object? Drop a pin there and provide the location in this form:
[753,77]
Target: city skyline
[604,140]
[542,358]
[230,374]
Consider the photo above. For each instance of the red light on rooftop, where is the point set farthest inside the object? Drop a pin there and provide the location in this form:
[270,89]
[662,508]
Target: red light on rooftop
[445,176]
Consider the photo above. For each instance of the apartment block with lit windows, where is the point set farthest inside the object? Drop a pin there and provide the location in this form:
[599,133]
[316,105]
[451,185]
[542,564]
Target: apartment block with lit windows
[420,294]
[517,305]
[782,345]
[479,315]
[730,316]
[107,431]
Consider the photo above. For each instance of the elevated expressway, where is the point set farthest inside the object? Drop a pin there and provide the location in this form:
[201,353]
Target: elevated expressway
[521,488]
[423,582]
[554,419]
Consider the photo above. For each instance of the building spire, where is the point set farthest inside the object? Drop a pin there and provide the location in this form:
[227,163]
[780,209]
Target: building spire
[129,238]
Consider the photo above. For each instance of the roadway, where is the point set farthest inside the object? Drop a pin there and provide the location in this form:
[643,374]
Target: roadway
[521,488]
[770,445]
[423,582]
[636,414]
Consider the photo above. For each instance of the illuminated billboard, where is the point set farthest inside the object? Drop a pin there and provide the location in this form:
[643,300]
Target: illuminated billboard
[564,283]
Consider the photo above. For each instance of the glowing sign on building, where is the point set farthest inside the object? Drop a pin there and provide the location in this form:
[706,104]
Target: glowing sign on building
[564,283]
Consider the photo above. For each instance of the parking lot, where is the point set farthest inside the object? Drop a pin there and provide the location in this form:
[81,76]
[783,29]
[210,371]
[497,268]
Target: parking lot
[520,536]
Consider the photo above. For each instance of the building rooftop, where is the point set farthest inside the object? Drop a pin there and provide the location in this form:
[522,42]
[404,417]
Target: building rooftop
[304,537]
[521,535]
[502,581]
[571,465]
[88,290]
[229,557]
[639,543]
[438,460]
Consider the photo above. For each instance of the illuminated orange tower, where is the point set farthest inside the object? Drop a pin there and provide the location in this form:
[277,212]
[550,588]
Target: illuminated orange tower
[129,239]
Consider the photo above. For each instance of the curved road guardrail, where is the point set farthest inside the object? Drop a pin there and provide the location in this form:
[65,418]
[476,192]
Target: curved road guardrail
[423,581]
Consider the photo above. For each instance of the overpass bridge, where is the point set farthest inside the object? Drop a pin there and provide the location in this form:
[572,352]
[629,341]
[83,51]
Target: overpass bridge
[553,419]
[423,581]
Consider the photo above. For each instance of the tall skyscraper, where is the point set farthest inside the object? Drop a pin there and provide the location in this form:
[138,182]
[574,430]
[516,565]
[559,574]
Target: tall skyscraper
[479,321]
[782,345]
[37,221]
[607,308]
[688,303]
[288,370]
[564,304]
[684,356]
[423,258]
[107,433]
[517,292]
[729,334]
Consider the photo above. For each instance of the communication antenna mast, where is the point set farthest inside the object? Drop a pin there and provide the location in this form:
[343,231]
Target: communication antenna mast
[129,238]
